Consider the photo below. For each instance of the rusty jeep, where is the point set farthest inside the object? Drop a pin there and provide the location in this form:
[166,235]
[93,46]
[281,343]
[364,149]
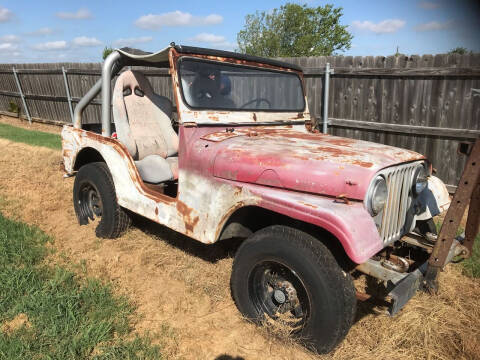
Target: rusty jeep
[228,151]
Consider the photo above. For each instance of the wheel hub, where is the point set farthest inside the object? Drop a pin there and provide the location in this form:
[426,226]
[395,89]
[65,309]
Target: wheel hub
[283,293]
[278,293]
[94,202]
[279,296]
[90,202]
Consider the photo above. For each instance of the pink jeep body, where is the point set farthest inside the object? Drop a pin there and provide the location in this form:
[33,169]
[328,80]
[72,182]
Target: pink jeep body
[232,160]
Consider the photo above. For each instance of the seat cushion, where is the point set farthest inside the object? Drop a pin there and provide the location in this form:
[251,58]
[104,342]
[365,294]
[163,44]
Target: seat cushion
[142,118]
[154,169]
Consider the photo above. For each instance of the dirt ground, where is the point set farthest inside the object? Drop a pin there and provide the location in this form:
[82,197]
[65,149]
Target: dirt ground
[181,287]
[18,122]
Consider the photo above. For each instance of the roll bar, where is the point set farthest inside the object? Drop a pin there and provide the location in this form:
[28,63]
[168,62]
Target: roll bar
[111,66]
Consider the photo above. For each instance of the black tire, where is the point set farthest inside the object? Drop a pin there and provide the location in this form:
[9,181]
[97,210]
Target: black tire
[324,292]
[94,197]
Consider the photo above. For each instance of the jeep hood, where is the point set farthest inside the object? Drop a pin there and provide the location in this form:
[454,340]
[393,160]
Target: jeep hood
[299,160]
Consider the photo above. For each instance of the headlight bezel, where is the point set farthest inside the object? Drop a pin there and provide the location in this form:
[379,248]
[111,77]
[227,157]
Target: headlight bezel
[420,179]
[378,184]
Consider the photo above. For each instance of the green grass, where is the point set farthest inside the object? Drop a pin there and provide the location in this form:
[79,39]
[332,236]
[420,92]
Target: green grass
[30,137]
[471,266]
[67,318]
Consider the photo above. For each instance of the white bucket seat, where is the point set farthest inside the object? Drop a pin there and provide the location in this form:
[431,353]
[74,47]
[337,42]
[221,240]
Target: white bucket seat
[143,125]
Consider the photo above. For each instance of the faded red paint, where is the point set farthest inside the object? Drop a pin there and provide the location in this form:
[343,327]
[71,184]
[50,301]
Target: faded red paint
[294,159]
[359,238]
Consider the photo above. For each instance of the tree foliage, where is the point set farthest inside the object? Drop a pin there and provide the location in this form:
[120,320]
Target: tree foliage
[294,30]
[459,50]
[107,50]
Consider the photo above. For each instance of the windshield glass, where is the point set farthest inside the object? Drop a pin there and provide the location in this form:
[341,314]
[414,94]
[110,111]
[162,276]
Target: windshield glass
[219,86]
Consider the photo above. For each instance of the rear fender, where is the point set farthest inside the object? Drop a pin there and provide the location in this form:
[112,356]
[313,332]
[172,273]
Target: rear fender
[130,190]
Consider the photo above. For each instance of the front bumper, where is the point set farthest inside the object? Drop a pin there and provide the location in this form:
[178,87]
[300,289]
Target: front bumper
[402,286]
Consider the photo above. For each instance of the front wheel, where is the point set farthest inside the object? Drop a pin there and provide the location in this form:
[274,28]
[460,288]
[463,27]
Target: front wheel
[94,197]
[288,277]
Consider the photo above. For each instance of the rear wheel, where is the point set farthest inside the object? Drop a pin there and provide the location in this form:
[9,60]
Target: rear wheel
[94,197]
[286,276]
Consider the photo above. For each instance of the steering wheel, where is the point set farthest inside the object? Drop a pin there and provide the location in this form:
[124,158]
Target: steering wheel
[258,101]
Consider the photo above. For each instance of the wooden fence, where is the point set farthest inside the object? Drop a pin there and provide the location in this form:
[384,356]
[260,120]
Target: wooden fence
[423,103]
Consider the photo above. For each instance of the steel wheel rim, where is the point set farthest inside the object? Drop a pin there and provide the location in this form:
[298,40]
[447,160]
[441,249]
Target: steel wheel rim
[277,291]
[90,202]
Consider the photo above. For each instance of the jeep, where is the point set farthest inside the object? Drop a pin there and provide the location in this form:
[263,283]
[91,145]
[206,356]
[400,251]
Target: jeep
[234,154]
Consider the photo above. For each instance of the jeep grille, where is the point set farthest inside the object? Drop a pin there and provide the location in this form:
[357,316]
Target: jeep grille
[392,221]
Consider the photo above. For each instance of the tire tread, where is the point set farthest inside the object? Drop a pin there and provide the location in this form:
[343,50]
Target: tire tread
[108,227]
[339,282]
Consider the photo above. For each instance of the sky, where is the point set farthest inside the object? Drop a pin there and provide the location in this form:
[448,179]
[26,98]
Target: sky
[77,31]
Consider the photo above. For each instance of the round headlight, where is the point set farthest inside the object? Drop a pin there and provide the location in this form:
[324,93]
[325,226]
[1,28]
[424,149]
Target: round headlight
[420,180]
[378,195]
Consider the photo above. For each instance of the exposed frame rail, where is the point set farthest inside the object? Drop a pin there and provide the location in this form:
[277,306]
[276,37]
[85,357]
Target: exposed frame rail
[468,191]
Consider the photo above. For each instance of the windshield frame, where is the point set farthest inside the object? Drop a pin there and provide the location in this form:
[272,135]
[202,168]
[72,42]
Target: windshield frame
[267,68]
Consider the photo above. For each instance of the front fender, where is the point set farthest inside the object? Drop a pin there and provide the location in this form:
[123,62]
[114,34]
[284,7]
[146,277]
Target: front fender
[432,201]
[349,222]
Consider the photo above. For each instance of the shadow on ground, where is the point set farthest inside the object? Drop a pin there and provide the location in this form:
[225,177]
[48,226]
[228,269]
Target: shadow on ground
[207,252]
[224,249]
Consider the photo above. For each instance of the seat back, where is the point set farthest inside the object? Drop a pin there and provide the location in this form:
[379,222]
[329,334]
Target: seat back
[142,118]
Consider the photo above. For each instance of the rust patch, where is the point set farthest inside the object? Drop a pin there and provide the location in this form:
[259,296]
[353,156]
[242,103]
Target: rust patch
[340,141]
[183,209]
[177,54]
[254,117]
[307,204]
[220,136]
[186,213]
[364,164]
[308,126]
[336,152]
[191,225]
[225,217]
[156,210]
[342,198]
[213,116]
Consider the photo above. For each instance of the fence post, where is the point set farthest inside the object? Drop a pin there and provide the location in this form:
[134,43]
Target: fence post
[17,80]
[328,71]
[67,90]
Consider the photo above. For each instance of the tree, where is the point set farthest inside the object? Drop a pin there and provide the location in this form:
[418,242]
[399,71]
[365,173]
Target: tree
[459,50]
[294,30]
[107,50]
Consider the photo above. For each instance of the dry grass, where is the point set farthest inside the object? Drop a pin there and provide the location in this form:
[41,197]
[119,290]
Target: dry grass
[22,123]
[176,281]
[19,321]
